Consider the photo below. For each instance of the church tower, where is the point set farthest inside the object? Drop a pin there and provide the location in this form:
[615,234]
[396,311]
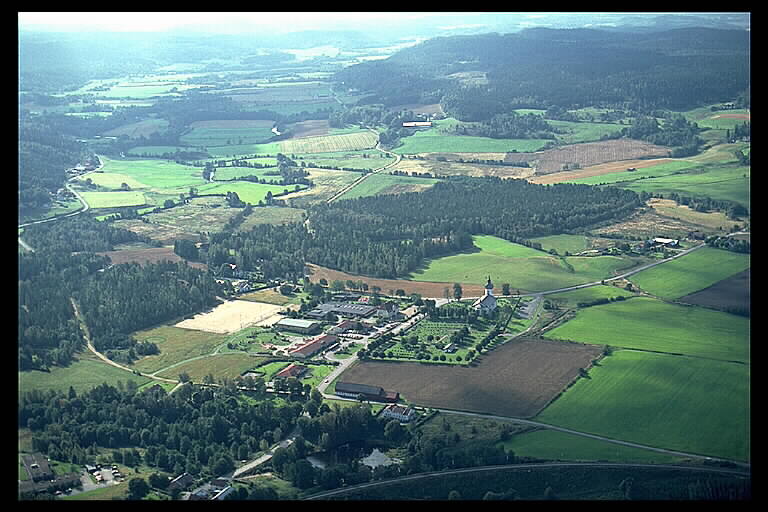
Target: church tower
[487,303]
[489,287]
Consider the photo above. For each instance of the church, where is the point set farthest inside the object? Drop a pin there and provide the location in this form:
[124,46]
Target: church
[486,304]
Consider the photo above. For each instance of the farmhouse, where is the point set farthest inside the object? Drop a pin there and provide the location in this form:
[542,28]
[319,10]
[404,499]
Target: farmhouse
[664,242]
[417,124]
[344,326]
[486,304]
[314,346]
[398,412]
[388,311]
[298,325]
[292,370]
[181,482]
[366,392]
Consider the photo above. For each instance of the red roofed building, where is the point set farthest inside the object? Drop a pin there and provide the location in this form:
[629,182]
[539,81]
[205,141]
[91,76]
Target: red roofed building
[292,370]
[314,346]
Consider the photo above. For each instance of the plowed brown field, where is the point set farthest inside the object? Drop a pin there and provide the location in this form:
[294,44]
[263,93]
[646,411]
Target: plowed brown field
[518,379]
[423,288]
[596,170]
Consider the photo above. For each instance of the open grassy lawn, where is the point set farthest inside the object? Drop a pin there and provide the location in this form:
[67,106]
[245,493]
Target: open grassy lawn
[576,132]
[562,243]
[682,403]
[230,364]
[157,174]
[522,267]
[226,132]
[114,199]
[231,173]
[590,294]
[691,273]
[388,184]
[554,445]
[176,344]
[649,324]
[247,192]
[432,141]
[82,375]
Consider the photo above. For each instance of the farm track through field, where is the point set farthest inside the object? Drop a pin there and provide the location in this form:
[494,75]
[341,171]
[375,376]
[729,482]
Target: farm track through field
[365,176]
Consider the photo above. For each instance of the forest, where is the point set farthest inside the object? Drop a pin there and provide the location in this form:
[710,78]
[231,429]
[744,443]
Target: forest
[539,68]
[389,236]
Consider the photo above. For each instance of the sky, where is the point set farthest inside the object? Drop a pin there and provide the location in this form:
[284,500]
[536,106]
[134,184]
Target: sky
[211,21]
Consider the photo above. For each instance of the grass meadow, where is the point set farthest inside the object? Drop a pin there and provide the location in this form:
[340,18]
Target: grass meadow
[432,141]
[156,174]
[554,445]
[644,323]
[522,267]
[387,184]
[663,401]
[562,243]
[82,375]
[691,273]
[114,199]
[176,344]
[590,294]
[246,191]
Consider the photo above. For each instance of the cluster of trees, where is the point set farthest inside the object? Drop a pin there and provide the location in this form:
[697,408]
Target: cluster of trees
[729,243]
[195,429]
[675,131]
[391,235]
[739,132]
[509,126]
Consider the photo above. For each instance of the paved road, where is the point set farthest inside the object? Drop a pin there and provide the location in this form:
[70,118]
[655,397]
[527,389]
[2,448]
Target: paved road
[522,467]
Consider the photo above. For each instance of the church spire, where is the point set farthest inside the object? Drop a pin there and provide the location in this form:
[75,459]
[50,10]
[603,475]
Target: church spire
[489,285]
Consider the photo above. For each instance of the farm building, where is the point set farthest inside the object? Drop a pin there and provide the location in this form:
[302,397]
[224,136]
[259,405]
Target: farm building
[181,482]
[314,346]
[366,392]
[417,124]
[398,412]
[388,311]
[298,325]
[666,242]
[346,310]
[487,303]
[292,370]
[344,326]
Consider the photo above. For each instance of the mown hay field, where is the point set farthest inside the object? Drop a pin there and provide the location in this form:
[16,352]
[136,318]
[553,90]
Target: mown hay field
[661,400]
[176,345]
[645,323]
[382,183]
[330,143]
[516,379]
[690,273]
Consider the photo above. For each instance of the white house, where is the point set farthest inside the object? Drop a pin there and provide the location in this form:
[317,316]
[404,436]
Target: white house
[398,412]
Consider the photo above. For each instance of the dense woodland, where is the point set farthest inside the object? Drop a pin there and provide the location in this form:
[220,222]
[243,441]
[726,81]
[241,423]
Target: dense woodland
[115,300]
[392,235]
[539,68]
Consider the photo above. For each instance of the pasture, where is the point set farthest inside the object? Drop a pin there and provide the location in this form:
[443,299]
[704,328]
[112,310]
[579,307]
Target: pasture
[574,297]
[661,400]
[563,243]
[176,345]
[227,132]
[83,375]
[690,273]
[228,364]
[522,267]
[138,129]
[644,323]
[517,379]
[327,183]
[247,192]
[433,141]
[554,445]
[113,199]
[383,183]
[712,220]
[153,174]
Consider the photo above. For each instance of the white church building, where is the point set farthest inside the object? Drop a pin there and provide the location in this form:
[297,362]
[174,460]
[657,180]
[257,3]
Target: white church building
[486,304]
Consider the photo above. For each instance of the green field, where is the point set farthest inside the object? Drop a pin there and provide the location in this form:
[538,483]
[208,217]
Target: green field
[554,445]
[176,344]
[590,294]
[388,183]
[113,199]
[681,403]
[156,174]
[246,191]
[563,243]
[365,159]
[231,173]
[691,273]
[225,133]
[577,132]
[432,141]
[82,375]
[520,266]
[156,150]
[644,323]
